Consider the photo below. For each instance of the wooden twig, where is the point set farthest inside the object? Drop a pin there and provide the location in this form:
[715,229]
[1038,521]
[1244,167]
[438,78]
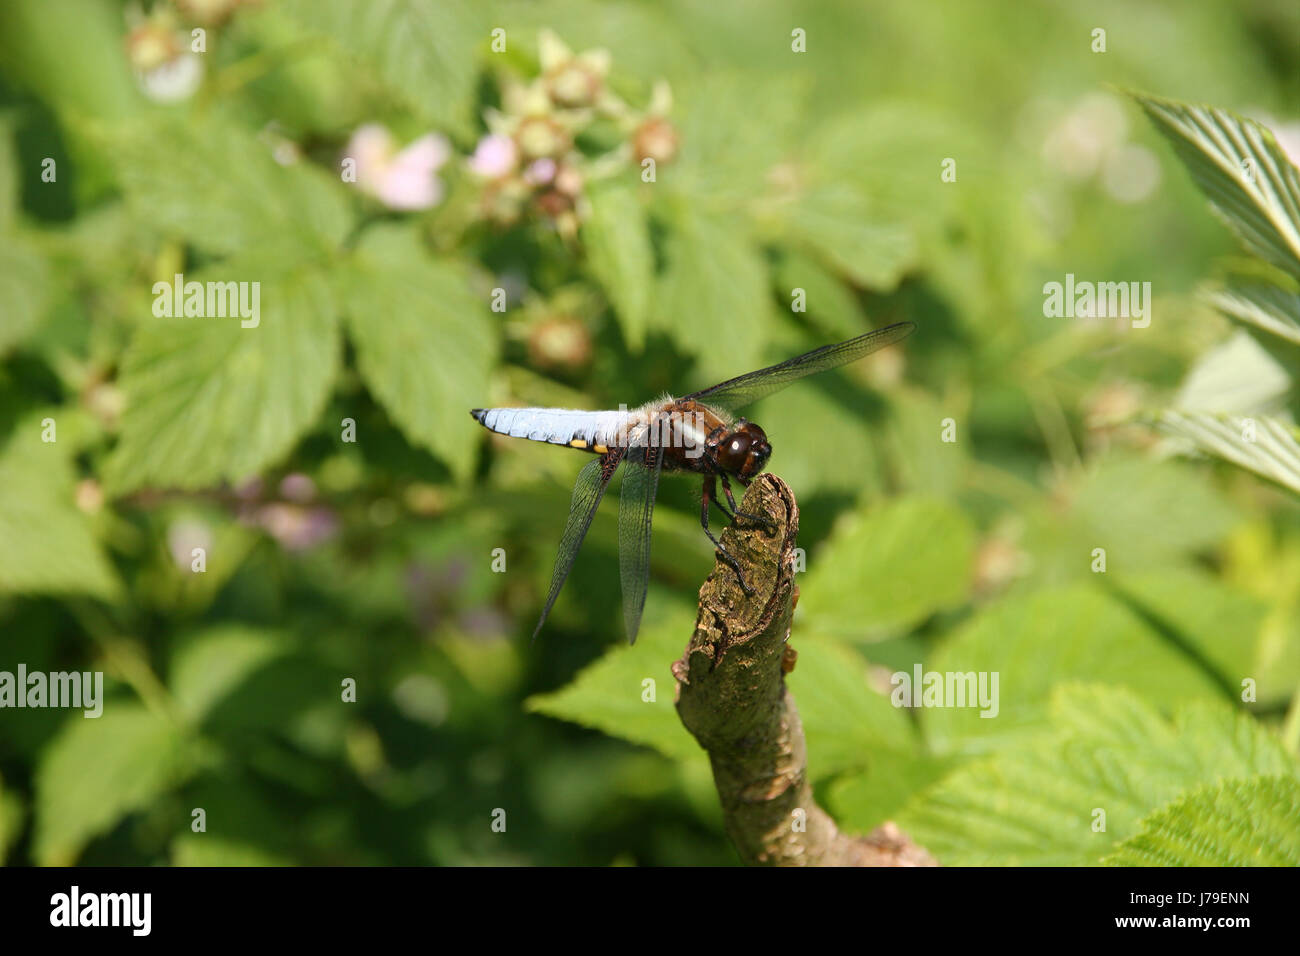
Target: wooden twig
[732,697]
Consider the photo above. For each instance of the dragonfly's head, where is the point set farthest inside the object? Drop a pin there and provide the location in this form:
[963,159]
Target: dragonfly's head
[743,451]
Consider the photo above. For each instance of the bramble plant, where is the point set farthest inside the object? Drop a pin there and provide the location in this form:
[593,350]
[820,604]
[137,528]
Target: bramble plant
[1238,401]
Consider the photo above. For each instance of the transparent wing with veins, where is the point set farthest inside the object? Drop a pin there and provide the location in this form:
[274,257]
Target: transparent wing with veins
[738,392]
[587,492]
[635,509]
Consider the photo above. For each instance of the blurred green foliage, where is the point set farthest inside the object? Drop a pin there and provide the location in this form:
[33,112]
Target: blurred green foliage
[372,560]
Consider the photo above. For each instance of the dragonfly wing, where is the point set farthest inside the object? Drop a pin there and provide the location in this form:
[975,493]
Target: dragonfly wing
[587,492]
[738,392]
[635,508]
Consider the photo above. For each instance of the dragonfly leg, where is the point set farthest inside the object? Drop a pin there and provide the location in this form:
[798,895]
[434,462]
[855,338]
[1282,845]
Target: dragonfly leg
[707,498]
[768,524]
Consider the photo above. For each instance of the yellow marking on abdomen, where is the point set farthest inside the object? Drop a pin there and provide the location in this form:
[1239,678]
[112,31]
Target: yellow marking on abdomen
[578,443]
[599,449]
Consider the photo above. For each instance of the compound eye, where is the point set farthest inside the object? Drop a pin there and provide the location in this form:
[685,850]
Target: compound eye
[733,452]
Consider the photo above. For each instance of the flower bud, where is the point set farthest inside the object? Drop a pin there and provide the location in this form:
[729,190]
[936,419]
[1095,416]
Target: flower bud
[655,139]
[539,136]
[152,44]
[560,341]
[207,12]
[574,85]
[554,203]
[568,180]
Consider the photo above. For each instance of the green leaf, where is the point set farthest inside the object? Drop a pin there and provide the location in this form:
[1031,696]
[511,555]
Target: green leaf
[425,343]
[887,569]
[72,53]
[715,275]
[1238,376]
[723,166]
[1236,823]
[209,666]
[217,186]
[1040,639]
[618,248]
[48,545]
[860,802]
[1239,166]
[891,152]
[1103,749]
[11,820]
[1250,376]
[422,51]
[845,720]
[923,462]
[609,694]
[246,824]
[1274,454]
[829,300]
[96,771]
[213,849]
[24,291]
[1216,622]
[869,172]
[1265,307]
[208,400]
[10,184]
[846,230]
[1143,512]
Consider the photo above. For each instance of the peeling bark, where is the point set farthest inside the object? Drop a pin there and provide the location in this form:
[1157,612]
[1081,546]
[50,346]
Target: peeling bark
[731,695]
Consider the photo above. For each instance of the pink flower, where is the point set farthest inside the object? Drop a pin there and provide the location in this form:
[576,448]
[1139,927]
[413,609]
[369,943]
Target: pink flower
[298,487]
[494,157]
[540,172]
[402,179]
[297,528]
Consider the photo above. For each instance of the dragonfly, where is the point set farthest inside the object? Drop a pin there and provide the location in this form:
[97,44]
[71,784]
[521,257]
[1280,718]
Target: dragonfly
[696,434]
